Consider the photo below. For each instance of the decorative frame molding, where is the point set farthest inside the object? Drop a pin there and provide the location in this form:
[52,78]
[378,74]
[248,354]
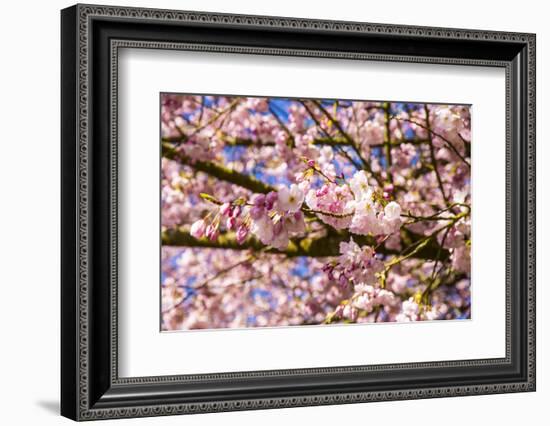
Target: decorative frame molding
[91,37]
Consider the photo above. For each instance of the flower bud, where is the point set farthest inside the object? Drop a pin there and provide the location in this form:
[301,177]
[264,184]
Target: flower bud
[236,211]
[242,233]
[343,281]
[226,209]
[212,232]
[198,229]
[271,199]
[231,223]
[323,191]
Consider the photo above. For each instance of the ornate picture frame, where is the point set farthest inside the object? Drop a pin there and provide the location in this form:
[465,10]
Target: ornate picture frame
[91,37]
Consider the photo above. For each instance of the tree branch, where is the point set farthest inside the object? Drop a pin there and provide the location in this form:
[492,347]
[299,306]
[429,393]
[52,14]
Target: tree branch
[346,136]
[432,156]
[444,139]
[220,172]
[387,141]
[334,142]
[310,247]
[339,149]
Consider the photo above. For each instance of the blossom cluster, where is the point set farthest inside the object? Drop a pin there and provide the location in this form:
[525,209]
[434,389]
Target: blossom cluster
[356,265]
[273,218]
[277,216]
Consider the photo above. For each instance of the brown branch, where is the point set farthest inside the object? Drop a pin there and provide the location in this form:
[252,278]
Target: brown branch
[334,142]
[430,131]
[432,156]
[346,136]
[339,149]
[387,141]
[282,125]
[212,120]
[220,172]
[310,247]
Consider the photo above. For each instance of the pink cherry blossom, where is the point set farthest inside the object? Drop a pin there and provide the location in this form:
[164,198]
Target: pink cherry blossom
[263,229]
[290,199]
[359,185]
[331,201]
[392,211]
[278,212]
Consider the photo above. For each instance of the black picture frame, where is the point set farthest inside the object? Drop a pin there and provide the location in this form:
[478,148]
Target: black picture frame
[90,386]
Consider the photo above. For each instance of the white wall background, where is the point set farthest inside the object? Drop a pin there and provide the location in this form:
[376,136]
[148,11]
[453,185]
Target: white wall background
[29,211]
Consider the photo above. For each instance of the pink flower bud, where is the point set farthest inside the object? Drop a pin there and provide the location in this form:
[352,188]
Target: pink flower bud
[226,209]
[242,233]
[329,270]
[323,191]
[343,281]
[270,200]
[231,223]
[212,232]
[198,229]
[311,163]
[236,211]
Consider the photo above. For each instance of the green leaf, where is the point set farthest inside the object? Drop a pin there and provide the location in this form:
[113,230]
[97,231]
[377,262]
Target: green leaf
[308,173]
[210,198]
[241,201]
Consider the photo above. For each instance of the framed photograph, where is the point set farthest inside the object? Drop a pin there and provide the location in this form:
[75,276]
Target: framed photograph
[263,212]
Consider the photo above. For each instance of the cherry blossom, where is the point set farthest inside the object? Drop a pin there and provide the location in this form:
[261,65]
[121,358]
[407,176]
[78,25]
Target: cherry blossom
[280,212]
[290,199]
[357,264]
[333,204]
[409,311]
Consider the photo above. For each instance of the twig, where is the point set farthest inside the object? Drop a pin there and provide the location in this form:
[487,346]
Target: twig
[444,139]
[432,156]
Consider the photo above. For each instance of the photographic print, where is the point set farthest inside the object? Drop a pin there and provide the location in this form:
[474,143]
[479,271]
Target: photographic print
[296,211]
[320,192]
